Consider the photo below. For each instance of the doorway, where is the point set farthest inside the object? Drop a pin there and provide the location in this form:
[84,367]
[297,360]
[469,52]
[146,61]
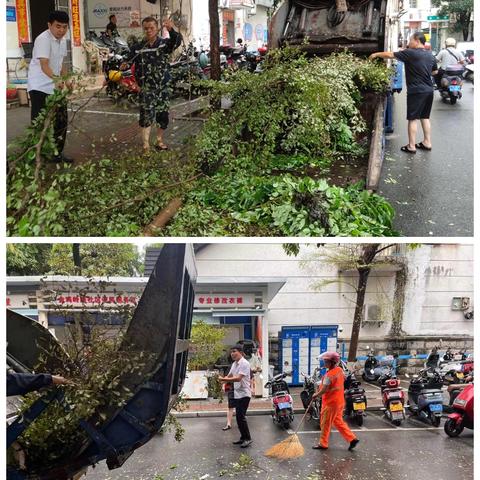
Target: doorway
[39,12]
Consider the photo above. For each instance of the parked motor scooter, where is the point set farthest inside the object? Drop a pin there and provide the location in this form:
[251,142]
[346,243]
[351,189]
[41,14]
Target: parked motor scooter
[282,402]
[310,386]
[393,398]
[387,369]
[462,415]
[120,82]
[454,369]
[451,84]
[425,397]
[371,363]
[355,399]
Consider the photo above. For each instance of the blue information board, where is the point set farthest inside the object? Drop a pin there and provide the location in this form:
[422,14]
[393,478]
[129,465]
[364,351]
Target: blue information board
[11,14]
[300,347]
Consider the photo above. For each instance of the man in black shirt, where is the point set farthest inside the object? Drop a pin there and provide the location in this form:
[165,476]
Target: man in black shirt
[151,60]
[420,65]
[112,27]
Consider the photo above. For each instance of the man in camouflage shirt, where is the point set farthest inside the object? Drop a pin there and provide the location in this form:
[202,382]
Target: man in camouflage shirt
[151,60]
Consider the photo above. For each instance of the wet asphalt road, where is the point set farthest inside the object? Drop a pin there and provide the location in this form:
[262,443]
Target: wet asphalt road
[432,192]
[413,451]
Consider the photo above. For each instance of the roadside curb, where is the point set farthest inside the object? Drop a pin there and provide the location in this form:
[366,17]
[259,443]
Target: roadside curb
[253,412]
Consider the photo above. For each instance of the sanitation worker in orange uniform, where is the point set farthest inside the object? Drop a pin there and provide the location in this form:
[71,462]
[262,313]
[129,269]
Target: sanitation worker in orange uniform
[333,403]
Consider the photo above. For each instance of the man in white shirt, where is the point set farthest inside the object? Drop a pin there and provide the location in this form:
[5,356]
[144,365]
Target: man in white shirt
[45,74]
[240,376]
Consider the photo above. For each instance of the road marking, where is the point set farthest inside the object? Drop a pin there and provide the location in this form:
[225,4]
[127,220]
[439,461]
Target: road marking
[391,429]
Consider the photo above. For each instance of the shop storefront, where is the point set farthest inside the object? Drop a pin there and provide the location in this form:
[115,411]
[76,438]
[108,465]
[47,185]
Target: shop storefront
[26,19]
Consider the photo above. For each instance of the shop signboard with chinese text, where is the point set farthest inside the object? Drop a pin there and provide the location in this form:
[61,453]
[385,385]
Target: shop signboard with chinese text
[76,32]
[224,300]
[94,300]
[126,11]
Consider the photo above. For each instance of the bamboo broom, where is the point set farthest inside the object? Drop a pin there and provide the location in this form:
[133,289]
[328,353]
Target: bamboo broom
[291,447]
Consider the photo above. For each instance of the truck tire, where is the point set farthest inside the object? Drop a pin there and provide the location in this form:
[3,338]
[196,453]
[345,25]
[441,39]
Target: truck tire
[452,429]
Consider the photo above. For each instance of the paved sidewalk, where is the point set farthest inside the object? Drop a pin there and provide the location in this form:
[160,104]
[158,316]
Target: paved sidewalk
[262,406]
[104,128]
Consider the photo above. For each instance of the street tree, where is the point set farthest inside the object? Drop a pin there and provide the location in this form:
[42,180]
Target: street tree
[28,258]
[460,11]
[214,39]
[361,258]
[99,259]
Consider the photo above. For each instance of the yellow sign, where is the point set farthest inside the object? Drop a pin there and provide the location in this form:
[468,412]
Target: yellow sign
[427,37]
[22,22]
[76,34]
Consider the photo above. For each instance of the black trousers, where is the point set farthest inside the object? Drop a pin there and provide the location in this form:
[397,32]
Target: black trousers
[39,100]
[241,407]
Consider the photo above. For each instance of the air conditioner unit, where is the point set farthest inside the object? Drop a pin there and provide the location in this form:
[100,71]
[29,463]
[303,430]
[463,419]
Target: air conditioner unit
[372,315]
[460,303]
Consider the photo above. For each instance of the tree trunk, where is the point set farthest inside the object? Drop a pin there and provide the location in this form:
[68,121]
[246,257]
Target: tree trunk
[357,317]
[214,39]
[367,257]
[77,259]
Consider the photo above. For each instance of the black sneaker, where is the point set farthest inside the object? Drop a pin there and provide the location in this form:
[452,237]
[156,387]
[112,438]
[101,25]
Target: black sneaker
[246,443]
[238,442]
[353,444]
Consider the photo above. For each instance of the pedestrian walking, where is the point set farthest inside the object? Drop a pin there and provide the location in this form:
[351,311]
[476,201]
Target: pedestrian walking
[420,65]
[447,58]
[45,73]
[151,60]
[240,376]
[333,403]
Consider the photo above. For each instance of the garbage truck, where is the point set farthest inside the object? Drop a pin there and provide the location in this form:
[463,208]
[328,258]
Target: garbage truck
[321,27]
[160,328]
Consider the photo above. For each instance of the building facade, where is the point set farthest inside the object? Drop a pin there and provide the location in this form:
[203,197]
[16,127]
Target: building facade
[245,19]
[422,16]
